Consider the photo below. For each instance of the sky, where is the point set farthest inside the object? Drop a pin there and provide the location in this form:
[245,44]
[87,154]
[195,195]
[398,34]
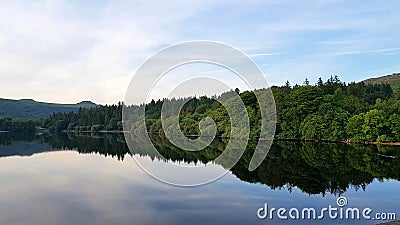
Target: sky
[70,51]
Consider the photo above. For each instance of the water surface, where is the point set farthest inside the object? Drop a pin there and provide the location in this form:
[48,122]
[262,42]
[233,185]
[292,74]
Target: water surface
[93,179]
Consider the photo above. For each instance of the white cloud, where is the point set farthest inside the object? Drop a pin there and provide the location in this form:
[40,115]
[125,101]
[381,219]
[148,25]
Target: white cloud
[266,54]
[64,51]
[58,52]
[371,51]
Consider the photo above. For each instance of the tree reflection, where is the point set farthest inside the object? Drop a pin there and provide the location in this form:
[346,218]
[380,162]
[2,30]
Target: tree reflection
[315,168]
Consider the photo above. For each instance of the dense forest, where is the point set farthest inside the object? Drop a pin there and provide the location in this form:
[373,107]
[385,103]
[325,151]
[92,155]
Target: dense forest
[93,119]
[330,110]
[15,125]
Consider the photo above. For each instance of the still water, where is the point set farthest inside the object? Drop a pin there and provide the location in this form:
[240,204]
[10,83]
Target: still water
[93,179]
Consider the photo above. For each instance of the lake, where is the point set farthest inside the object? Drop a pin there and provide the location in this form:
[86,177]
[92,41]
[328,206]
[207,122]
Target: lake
[93,179]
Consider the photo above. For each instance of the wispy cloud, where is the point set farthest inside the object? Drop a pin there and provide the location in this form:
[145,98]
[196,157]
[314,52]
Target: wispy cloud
[372,51]
[266,54]
[336,42]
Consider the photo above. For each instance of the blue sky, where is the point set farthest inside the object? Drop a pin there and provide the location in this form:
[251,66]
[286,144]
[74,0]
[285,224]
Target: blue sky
[68,51]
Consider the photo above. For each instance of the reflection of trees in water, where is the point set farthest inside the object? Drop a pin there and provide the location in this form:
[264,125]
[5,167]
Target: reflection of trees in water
[321,167]
[9,138]
[108,145]
[313,167]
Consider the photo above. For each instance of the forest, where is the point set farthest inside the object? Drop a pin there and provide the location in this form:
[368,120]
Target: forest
[15,125]
[328,111]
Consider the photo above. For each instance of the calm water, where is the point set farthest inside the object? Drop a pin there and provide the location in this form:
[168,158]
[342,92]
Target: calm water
[94,180]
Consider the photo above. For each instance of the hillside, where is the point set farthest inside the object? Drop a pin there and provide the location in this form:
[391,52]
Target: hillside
[30,109]
[393,80]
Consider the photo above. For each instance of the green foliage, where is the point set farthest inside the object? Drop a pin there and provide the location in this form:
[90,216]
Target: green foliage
[14,125]
[97,119]
[335,111]
[97,127]
[373,124]
[330,110]
[354,128]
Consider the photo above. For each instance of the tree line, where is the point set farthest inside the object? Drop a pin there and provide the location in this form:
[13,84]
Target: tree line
[15,125]
[330,110]
[108,117]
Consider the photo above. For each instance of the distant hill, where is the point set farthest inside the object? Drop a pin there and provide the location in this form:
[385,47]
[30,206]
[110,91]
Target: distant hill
[30,109]
[393,80]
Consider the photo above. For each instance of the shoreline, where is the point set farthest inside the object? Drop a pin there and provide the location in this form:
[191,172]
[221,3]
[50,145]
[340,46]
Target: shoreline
[395,143]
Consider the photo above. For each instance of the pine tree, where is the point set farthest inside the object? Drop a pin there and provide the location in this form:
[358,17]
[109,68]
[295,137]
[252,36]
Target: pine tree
[306,82]
[320,83]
